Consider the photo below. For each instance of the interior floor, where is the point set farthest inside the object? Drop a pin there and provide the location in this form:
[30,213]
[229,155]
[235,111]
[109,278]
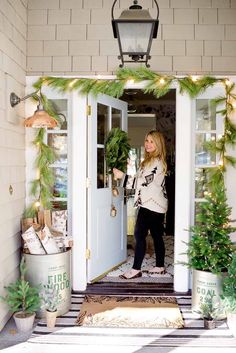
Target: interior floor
[148,262]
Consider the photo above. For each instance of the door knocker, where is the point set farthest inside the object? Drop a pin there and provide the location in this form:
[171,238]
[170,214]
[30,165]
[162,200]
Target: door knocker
[113,211]
[115,191]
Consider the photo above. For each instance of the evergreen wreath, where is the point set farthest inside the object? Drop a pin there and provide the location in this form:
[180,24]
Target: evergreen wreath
[117,149]
[158,85]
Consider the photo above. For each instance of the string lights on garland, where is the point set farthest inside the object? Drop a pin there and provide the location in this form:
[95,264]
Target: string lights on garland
[158,85]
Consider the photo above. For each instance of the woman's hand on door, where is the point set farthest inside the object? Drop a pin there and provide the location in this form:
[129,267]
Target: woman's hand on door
[118,174]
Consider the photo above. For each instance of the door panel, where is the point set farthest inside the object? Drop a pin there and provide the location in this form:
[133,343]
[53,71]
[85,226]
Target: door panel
[106,234]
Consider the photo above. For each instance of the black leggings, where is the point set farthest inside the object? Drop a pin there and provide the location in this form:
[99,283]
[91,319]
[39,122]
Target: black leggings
[153,221]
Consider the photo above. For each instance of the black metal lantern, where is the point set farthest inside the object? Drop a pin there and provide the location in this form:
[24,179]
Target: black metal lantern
[135,29]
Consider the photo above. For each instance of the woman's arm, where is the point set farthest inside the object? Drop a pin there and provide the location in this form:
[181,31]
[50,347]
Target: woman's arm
[127,181]
[118,174]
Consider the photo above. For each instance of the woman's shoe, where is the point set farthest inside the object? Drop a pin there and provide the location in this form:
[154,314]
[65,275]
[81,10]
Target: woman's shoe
[157,271]
[126,275]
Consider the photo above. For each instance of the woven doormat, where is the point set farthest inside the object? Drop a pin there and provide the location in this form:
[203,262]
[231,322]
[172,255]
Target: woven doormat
[121,311]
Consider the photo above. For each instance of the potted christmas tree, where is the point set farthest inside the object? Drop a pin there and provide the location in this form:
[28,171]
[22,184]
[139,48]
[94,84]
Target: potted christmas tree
[211,311]
[210,248]
[23,300]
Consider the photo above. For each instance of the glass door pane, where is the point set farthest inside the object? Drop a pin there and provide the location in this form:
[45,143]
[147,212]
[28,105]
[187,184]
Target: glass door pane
[116,118]
[102,123]
[59,143]
[205,131]
[58,140]
[200,182]
[202,155]
[102,131]
[205,115]
[61,182]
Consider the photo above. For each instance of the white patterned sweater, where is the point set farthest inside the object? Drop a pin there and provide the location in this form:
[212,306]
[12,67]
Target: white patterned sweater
[150,191]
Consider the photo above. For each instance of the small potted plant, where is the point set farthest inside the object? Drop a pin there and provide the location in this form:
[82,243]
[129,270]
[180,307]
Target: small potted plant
[211,311]
[229,296]
[23,300]
[50,300]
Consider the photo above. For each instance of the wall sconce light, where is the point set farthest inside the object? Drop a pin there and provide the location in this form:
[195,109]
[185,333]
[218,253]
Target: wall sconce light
[40,118]
[135,29]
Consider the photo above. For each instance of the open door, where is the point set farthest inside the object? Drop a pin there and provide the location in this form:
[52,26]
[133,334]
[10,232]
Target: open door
[107,238]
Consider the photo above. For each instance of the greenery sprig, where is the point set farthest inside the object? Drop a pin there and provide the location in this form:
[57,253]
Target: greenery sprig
[194,86]
[41,187]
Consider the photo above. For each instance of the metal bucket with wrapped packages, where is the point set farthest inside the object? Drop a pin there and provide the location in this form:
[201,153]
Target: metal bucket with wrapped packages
[53,269]
[47,252]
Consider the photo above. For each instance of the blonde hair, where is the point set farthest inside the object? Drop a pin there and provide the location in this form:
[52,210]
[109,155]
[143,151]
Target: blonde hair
[159,153]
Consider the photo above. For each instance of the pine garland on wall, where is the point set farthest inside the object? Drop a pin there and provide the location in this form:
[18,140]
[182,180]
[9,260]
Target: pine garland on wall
[41,187]
[158,85]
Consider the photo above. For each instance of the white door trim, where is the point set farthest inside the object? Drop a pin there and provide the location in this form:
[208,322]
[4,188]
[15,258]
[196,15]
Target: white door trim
[79,191]
[183,187]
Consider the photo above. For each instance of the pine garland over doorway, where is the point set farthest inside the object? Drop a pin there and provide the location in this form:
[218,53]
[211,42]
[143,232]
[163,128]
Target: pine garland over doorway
[158,85]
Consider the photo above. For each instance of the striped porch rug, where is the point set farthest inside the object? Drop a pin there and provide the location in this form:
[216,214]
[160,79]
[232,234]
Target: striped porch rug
[87,339]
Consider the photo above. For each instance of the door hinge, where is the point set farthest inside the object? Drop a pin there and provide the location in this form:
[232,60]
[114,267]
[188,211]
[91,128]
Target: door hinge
[89,110]
[88,254]
[88,183]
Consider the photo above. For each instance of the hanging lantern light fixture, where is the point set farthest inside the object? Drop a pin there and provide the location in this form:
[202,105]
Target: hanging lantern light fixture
[135,29]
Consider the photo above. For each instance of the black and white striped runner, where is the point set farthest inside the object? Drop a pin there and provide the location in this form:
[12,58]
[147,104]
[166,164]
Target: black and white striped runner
[192,335]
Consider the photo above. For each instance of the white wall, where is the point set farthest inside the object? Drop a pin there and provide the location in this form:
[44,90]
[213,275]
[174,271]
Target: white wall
[13,29]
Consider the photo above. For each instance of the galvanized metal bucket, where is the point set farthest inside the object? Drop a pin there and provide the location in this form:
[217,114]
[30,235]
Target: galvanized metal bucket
[204,284]
[55,269]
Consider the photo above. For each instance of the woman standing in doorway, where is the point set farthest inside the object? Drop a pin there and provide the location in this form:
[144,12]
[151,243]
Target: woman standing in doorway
[151,200]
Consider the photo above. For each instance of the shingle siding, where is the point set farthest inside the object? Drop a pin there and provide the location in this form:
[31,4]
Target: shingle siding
[193,29]
[13,33]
